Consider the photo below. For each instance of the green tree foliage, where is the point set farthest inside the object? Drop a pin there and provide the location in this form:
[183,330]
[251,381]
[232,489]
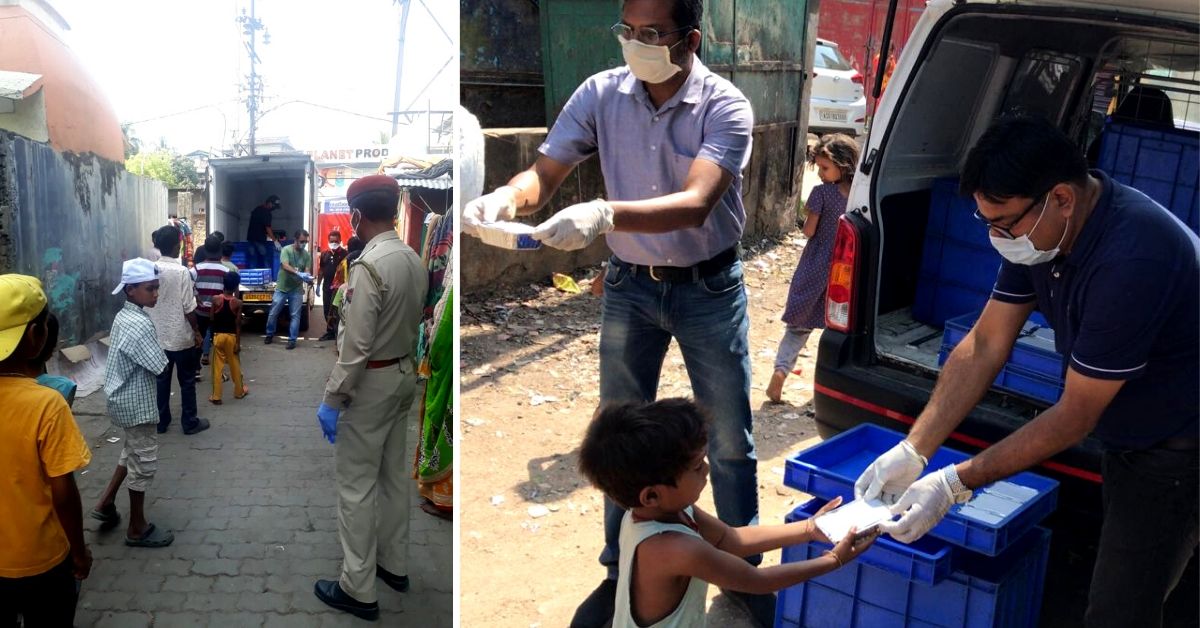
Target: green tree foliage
[175,171]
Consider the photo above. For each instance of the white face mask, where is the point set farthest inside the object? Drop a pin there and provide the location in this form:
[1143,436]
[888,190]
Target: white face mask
[1022,251]
[651,64]
[335,246]
[355,220]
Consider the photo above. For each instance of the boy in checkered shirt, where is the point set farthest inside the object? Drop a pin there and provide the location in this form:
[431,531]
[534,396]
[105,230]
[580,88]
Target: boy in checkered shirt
[134,362]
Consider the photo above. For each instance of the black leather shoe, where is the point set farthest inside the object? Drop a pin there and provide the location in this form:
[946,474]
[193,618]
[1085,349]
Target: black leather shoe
[161,429]
[291,345]
[398,583]
[597,610]
[268,340]
[760,607]
[200,426]
[331,593]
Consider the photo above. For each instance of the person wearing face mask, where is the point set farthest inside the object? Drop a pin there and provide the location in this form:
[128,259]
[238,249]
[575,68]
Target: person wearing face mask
[367,401]
[330,260]
[294,263]
[42,550]
[1118,278]
[672,139]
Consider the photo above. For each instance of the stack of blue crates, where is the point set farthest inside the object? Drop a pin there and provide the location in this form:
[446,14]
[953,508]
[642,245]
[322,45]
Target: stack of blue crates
[983,566]
[958,262]
[241,259]
[1163,164]
[1034,369]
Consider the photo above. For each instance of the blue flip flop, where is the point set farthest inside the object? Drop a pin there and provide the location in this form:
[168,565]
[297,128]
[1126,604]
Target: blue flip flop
[152,538]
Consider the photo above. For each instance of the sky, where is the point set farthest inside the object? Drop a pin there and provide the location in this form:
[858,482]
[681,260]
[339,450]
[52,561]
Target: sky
[156,59]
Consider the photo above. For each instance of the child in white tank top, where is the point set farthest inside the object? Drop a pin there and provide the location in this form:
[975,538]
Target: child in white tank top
[650,458]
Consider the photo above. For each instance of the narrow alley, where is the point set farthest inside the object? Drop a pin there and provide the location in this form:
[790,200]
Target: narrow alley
[253,507]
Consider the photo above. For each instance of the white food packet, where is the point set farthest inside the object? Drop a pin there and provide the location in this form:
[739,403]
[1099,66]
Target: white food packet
[862,514]
[508,235]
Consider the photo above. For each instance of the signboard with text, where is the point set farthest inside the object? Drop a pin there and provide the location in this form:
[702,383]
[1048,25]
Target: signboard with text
[361,153]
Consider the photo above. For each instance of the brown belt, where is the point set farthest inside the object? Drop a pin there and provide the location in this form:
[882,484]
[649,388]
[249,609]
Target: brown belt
[379,364]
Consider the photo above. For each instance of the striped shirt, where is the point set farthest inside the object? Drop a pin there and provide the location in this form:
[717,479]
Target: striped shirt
[176,299]
[210,281]
[134,362]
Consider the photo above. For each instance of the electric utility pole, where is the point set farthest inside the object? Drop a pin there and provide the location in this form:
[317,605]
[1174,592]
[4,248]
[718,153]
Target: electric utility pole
[250,27]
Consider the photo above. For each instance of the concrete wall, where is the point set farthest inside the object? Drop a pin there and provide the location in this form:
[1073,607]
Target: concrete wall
[71,220]
[28,117]
[770,188]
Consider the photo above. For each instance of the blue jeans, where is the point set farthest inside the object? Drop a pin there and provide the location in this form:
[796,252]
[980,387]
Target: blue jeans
[261,255]
[708,319]
[185,363]
[294,300]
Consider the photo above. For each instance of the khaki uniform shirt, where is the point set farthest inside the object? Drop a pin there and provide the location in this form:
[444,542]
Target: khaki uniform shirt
[380,314]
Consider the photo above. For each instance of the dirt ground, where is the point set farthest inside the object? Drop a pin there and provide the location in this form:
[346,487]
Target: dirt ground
[532,527]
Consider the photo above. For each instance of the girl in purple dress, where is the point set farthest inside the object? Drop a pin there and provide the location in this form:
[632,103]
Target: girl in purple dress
[835,157]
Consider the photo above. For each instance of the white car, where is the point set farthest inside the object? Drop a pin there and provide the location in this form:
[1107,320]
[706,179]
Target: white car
[838,102]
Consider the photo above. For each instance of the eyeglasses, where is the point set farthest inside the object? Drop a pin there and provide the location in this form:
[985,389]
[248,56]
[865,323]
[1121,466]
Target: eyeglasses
[645,34]
[1006,231]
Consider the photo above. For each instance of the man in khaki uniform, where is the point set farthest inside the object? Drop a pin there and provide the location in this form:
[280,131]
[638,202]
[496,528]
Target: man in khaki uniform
[367,399]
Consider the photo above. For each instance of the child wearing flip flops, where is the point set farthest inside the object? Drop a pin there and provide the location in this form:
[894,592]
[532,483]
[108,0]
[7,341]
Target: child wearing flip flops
[227,338]
[134,362]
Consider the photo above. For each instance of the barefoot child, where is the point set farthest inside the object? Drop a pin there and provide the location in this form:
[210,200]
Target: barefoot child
[835,157]
[227,338]
[134,361]
[650,458]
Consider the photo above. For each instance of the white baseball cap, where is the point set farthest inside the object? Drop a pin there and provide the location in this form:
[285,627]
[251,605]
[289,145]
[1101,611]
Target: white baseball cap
[136,270]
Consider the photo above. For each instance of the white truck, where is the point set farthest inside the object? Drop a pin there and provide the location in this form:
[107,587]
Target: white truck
[239,184]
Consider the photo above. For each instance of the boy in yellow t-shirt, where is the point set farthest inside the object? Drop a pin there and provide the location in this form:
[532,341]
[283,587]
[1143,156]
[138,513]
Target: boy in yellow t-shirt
[42,552]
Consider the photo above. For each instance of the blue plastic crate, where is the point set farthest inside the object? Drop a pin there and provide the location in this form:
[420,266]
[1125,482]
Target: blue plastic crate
[1002,591]
[1163,164]
[1035,385]
[927,560]
[830,469]
[958,264]
[1033,351]
[255,276]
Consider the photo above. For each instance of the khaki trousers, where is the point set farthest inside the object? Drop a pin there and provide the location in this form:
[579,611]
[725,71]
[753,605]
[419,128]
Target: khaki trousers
[374,476]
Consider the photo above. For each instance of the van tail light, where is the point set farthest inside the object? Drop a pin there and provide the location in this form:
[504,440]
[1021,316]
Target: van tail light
[856,78]
[839,295]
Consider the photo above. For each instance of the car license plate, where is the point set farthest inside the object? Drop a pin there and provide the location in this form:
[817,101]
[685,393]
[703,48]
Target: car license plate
[256,297]
[832,115]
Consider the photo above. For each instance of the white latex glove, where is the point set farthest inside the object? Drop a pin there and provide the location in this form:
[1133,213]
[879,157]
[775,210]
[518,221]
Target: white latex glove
[499,205]
[888,477]
[921,507]
[576,226]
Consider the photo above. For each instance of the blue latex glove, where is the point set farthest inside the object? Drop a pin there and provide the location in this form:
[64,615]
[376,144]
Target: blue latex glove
[328,418]
[305,277]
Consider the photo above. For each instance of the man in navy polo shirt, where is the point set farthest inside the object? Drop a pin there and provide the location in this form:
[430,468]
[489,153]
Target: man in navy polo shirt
[672,138]
[1118,278]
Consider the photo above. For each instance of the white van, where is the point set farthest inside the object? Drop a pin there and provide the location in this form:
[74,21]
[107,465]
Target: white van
[910,262]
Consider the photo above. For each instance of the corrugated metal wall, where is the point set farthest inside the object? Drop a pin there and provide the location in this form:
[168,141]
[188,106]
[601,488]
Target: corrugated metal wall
[71,220]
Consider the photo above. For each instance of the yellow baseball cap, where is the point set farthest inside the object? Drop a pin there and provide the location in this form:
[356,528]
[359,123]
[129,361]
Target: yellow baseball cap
[21,300]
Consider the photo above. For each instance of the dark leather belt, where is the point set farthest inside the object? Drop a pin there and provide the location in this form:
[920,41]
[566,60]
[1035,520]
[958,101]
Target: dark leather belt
[379,364]
[1179,443]
[695,272]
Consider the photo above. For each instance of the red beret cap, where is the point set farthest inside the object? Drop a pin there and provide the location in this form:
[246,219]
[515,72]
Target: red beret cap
[372,183]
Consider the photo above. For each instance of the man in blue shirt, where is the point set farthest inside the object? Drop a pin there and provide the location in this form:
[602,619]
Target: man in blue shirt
[1118,278]
[672,139]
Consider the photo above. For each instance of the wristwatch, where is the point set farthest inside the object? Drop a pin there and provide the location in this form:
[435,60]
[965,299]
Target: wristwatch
[958,491]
